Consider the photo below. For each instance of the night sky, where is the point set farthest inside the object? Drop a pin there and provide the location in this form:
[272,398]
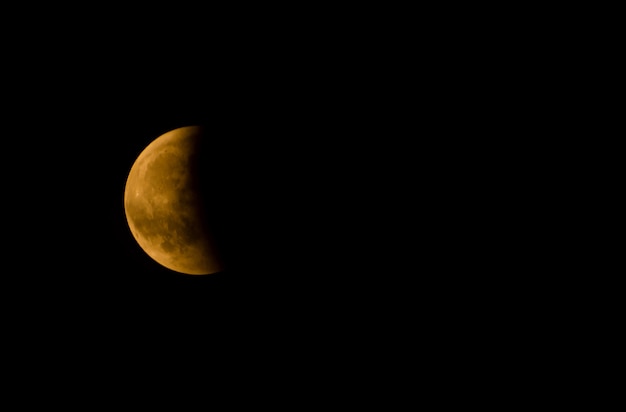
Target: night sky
[301,183]
[271,183]
[359,170]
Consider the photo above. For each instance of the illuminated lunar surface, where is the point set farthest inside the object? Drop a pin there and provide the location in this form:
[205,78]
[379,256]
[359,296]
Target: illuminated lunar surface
[164,208]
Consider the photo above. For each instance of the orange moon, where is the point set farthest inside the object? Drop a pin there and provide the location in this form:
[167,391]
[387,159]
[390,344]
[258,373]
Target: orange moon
[164,207]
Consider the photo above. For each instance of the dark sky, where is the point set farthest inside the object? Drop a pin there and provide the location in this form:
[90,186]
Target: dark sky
[299,130]
[75,142]
[355,184]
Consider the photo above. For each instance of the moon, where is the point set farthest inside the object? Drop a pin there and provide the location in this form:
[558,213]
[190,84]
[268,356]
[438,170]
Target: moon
[164,205]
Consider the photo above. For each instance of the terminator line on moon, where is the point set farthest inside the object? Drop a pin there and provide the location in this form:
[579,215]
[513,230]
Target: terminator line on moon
[163,206]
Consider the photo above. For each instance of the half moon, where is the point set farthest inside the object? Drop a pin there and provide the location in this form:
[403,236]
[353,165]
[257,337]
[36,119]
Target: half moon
[164,207]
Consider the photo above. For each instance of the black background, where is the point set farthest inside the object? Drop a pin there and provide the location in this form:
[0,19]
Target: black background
[295,176]
[369,172]
[345,169]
